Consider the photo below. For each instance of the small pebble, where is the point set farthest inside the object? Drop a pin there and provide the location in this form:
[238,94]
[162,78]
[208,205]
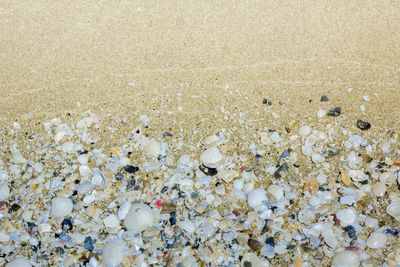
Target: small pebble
[130,169]
[346,216]
[88,243]
[66,225]
[153,148]
[334,112]
[324,98]
[363,125]
[256,197]
[351,231]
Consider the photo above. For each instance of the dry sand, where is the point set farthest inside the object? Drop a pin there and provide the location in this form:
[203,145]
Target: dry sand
[54,54]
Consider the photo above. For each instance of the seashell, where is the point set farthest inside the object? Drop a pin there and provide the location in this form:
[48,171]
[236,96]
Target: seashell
[123,210]
[4,191]
[358,175]
[19,262]
[346,258]
[306,216]
[210,140]
[305,131]
[394,209]
[61,206]
[153,148]
[113,252]
[346,216]
[354,161]
[276,192]
[211,158]
[376,240]
[379,189]
[256,197]
[387,178]
[251,259]
[139,217]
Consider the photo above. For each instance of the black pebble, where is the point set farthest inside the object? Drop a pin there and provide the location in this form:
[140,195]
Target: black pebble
[265,101]
[335,112]
[270,241]
[208,171]
[363,125]
[88,244]
[393,232]
[131,169]
[351,231]
[119,177]
[15,207]
[324,98]
[172,218]
[66,224]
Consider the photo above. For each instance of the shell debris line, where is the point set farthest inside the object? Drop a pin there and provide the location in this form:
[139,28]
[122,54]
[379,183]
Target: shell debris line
[94,190]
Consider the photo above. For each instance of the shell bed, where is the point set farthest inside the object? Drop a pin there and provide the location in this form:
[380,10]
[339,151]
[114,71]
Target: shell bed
[300,197]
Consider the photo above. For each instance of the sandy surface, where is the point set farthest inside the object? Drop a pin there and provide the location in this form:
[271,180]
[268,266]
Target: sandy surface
[230,53]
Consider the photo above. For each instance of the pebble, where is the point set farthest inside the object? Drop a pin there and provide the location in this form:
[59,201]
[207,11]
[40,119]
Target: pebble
[276,192]
[19,262]
[211,158]
[394,209]
[324,98]
[61,206]
[363,125]
[139,217]
[376,240]
[306,216]
[256,197]
[123,210]
[153,148]
[321,113]
[113,252]
[334,112]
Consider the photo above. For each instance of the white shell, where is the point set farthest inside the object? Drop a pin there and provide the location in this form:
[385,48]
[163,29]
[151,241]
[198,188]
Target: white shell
[211,140]
[387,178]
[211,157]
[123,210]
[305,131]
[113,252]
[253,260]
[276,192]
[379,189]
[139,217]
[153,148]
[353,160]
[19,262]
[4,191]
[346,216]
[394,209]
[61,206]
[306,216]
[346,258]
[376,240]
[256,197]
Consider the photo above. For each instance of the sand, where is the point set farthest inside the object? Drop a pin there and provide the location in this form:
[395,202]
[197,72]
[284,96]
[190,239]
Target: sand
[229,53]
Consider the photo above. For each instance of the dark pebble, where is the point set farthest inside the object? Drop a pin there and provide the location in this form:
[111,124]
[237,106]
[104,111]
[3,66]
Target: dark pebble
[167,134]
[351,231]
[290,246]
[324,98]
[208,171]
[270,241]
[332,152]
[131,169]
[59,251]
[66,224]
[88,243]
[119,177]
[363,125]
[131,184]
[254,244]
[65,238]
[392,232]
[283,168]
[15,207]
[265,101]
[335,112]
[172,218]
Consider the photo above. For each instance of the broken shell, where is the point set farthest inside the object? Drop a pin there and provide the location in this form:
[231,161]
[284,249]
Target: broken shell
[376,240]
[210,141]
[346,258]
[139,217]
[211,158]
[153,148]
[256,197]
[346,216]
[19,262]
[394,209]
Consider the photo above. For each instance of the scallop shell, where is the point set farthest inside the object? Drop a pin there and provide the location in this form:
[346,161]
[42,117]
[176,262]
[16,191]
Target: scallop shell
[394,209]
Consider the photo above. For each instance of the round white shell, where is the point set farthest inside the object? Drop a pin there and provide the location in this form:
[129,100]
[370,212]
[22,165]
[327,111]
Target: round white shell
[139,217]
[211,157]
[61,206]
